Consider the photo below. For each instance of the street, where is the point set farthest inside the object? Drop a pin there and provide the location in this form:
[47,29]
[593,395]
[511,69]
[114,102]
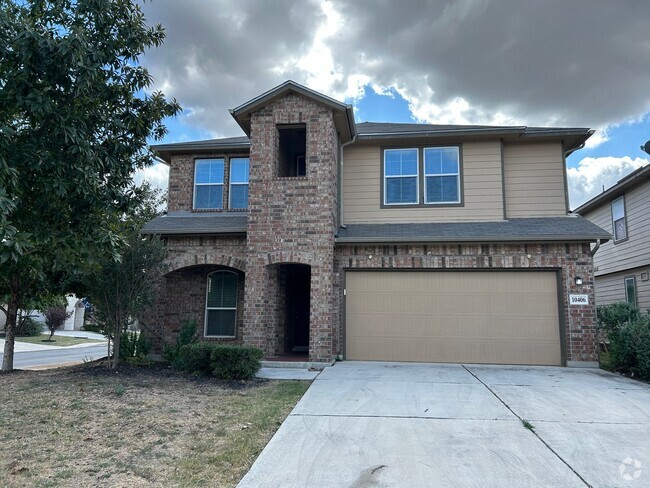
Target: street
[56,356]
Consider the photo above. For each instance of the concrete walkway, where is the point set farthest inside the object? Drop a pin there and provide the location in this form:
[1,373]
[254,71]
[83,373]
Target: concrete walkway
[426,425]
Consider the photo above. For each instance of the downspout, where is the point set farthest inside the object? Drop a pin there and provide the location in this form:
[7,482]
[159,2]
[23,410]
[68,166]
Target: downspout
[596,247]
[340,185]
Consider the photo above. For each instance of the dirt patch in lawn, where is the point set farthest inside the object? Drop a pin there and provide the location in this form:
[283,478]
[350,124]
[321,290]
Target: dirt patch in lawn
[142,426]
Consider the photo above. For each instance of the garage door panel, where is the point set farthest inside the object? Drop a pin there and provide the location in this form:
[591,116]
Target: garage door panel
[473,317]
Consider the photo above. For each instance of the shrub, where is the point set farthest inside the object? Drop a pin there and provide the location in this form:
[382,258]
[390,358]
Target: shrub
[223,362]
[194,358]
[134,344]
[613,317]
[630,350]
[187,335]
[235,362]
[30,327]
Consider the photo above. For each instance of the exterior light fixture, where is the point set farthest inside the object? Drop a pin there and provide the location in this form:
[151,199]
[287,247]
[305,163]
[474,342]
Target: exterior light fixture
[578,280]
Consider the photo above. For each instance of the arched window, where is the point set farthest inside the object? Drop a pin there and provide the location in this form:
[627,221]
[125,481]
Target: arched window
[221,304]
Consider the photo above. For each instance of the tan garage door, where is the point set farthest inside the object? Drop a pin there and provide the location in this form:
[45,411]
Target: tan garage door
[494,317]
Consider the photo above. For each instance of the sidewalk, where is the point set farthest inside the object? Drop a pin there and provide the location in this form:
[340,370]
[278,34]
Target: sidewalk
[28,347]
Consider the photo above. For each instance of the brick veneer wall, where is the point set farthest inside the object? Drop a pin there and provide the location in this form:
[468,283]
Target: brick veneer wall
[291,220]
[573,259]
[181,179]
[180,293]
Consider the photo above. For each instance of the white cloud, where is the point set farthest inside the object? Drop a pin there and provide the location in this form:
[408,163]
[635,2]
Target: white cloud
[469,61]
[594,175]
[157,175]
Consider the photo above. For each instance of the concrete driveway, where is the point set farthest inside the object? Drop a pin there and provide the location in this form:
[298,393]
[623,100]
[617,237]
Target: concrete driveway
[429,425]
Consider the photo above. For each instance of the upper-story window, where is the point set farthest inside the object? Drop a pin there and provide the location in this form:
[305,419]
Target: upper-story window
[238,191]
[401,176]
[619,223]
[208,184]
[441,175]
[292,155]
[440,183]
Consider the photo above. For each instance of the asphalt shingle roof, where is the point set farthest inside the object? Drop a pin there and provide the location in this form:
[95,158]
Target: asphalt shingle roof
[197,223]
[570,228]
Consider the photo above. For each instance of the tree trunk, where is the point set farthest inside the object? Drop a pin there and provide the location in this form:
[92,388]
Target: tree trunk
[10,332]
[116,345]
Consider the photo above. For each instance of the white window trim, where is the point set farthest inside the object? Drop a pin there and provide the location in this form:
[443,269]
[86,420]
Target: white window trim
[231,184]
[205,321]
[207,184]
[633,280]
[614,221]
[416,175]
[457,174]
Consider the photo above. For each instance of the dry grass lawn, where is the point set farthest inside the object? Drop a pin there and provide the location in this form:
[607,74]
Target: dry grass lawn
[146,426]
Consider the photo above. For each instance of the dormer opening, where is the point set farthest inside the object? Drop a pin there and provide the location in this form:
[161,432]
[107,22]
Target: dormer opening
[292,153]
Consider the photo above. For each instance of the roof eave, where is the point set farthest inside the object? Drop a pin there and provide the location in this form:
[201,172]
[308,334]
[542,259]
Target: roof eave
[635,178]
[181,232]
[459,239]
[241,114]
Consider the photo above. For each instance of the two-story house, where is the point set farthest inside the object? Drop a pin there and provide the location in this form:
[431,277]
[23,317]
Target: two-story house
[622,265]
[314,235]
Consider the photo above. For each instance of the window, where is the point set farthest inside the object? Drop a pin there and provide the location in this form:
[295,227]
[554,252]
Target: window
[441,175]
[208,184]
[630,290]
[221,304]
[292,150]
[401,176]
[238,192]
[618,219]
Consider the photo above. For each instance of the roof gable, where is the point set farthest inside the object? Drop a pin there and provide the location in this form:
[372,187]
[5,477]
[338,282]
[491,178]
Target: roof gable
[343,113]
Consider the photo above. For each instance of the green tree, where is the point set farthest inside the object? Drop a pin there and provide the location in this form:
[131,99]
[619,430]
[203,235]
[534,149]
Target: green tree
[120,290]
[75,117]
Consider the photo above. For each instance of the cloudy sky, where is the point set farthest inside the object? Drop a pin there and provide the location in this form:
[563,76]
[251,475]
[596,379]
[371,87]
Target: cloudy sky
[582,63]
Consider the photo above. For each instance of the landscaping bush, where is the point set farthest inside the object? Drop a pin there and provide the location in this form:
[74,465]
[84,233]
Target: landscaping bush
[194,358]
[235,362]
[612,317]
[187,335]
[30,327]
[134,344]
[628,333]
[223,362]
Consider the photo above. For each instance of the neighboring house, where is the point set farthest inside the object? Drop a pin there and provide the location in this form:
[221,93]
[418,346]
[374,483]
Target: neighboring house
[399,242]
[622,265]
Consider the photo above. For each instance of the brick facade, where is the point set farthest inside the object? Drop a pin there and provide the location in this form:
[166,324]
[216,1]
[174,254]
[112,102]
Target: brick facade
[181,179]
[291,220]
[571,259]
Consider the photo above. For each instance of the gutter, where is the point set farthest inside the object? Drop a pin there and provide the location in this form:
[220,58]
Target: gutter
[392,135]
[484,238]
[222,230]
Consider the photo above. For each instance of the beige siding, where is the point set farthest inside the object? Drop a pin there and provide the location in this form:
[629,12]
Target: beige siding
[635,251]
[611,288]
[472,317]
[534,179]
[481,162]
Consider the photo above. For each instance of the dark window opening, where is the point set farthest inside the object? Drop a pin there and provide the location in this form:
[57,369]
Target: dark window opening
[293,150]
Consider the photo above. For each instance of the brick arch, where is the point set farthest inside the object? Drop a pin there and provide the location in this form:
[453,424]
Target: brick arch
[290,257]
[225,260]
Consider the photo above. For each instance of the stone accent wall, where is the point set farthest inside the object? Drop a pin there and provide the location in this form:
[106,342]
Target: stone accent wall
[573,259]
[291,220]
[181,179]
